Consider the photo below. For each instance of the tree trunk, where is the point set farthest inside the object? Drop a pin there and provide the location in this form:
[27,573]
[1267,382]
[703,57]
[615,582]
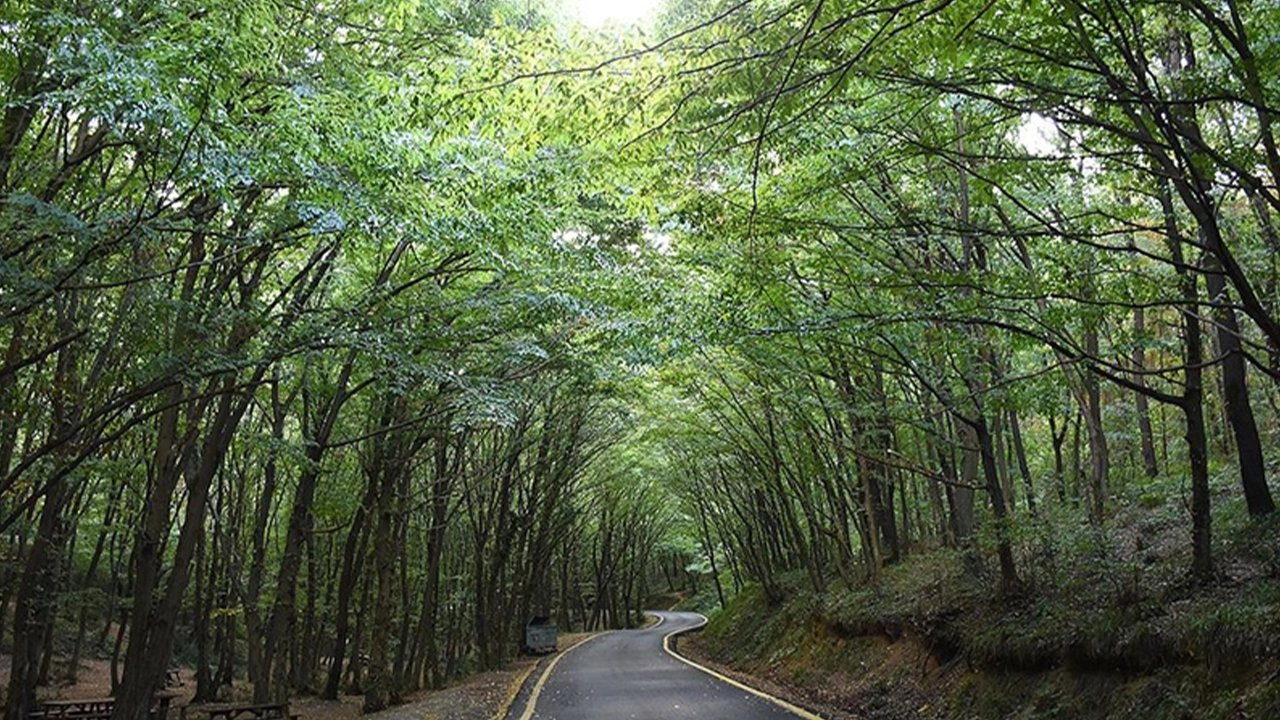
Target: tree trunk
[1253,473]
[1140,399]
[351,554]
[1024,469]
[1008,571]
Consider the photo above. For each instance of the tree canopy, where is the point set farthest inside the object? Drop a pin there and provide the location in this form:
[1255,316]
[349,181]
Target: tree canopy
[339,340]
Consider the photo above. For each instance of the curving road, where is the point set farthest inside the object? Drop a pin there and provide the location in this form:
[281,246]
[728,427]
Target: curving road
[628,675]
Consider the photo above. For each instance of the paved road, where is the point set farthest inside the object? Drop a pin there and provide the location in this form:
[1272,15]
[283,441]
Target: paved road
[626,675]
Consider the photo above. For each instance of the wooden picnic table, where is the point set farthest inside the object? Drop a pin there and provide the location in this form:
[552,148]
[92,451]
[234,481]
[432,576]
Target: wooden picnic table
[95,709]
[90,708]
[229,711]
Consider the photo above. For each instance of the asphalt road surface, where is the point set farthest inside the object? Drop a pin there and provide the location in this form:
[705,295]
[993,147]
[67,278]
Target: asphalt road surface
[626,675]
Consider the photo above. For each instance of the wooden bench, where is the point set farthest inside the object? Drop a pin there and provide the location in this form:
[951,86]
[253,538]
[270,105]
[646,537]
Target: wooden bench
[267,711]
[94,709]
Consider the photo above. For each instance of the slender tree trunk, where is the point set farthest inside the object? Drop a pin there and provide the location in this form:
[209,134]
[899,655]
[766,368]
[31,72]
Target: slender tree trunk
[1024,469]
[1253,474]
[1140,399]
[379,690]
[346,590]
[33,607]
[1192,400]
[709,546]
[1099,454]
[1008,571]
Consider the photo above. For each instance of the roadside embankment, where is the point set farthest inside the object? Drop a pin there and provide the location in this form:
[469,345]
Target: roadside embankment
[928,641]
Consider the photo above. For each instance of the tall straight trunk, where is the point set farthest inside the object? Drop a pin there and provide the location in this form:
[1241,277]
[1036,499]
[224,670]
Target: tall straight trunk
[201,610]
[141,678]
[1197,442]
[379,689]
[351,553]
[904,526]
[1268,229]
[1197,196]
[1084,388]
[564,617]
[942,516]
[34,612]
[873,536]
[839,508]
[431,596]
[281,636]
[9,416]
[1253,473]
[1020,454]
[1004,460]
[405,636]
[1077,468]
[156,605]
[883,481]
[1059,465]
[963,494]
[148,654]
[152,624]
[255,627]
[1141,403]
[427,665]
[1099,454]
[1192,400]
[224,675]
[304,667]
[357,665]
[33,607]
[281,632]
[710,548]
[975,260]
[1008,571]
[881,489]
[82,623]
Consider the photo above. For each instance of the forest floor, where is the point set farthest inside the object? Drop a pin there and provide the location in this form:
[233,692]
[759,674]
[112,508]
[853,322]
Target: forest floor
[477,697]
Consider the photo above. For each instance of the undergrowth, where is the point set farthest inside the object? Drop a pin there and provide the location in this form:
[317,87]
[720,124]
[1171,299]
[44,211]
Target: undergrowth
[1105,623]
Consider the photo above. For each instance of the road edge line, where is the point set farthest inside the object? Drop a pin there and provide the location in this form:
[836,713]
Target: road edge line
[532,704]
[514,692]
[789,707]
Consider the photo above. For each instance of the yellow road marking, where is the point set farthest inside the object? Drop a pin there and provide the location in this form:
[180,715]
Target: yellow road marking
[513,692]
[537,687]
[794,709]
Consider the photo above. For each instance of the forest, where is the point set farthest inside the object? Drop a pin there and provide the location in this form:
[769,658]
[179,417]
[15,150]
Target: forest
[341,338]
